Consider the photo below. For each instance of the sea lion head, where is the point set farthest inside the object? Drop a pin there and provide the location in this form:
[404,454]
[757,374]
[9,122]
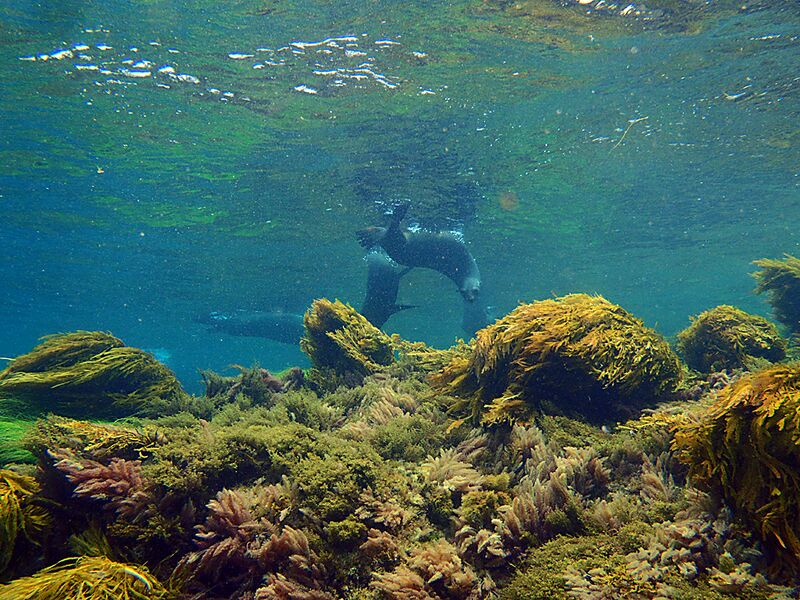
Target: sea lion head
[470,288]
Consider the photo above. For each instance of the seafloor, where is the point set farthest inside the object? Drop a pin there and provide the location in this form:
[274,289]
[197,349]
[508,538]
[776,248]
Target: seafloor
[566,452]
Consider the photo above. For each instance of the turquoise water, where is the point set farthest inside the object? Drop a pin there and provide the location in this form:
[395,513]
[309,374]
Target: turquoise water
[649,158]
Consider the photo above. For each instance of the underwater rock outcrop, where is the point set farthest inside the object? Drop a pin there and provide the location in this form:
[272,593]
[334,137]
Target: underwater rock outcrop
[746,447]
[579,355]
[726,337]
[344,347]
[781,280]
[91,374]
[367,492]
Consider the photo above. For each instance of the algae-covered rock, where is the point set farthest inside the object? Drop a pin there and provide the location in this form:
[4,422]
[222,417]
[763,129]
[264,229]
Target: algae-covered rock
[580,355]
[781,280]
[91,374]
[746,448]
[342,345]
[726,337]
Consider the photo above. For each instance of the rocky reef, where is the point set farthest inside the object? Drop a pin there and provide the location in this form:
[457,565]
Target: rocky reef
[780,280]
[91,373]
[744,448]
[581,355]
[727,338]
[390,470]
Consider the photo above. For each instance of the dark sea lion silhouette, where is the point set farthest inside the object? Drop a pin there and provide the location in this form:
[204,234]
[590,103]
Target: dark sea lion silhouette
[475,317]
[286,328]
[383,281]
[441,251]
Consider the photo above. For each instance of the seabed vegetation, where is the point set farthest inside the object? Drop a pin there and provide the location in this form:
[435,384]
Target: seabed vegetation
[566,452]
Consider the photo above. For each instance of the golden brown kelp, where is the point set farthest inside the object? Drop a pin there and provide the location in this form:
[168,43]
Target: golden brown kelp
[91,440]
[726,337]
[746,448]
[22,521]
[418,356]
[91,374]
[342,345]
[781,280]
[64,350]
[87,578]
[578,354]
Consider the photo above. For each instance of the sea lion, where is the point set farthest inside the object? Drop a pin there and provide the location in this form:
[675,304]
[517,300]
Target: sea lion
[475,317]
[383,281]
[286,328]
[442,251]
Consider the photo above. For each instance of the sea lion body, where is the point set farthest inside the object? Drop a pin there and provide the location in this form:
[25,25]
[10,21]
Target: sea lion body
[383,282]
[475,317]
[442,251]
[286,328]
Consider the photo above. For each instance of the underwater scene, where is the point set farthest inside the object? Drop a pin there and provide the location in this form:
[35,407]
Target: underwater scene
[338,300]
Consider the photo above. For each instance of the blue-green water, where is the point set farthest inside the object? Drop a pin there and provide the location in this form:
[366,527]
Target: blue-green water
[647,158]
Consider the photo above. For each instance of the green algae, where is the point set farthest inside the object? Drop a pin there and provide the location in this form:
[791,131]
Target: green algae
[543,577]
[329,483]
[12,432]
[160,214]
[409,438]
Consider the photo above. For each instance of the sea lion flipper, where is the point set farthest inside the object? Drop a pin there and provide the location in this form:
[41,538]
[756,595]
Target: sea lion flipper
[370,236]
[396,308]
[398,215]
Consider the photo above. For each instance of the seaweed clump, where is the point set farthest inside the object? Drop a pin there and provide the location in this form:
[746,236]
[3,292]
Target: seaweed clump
[253,386]
[745,448]
[23,522]
[343,346]
[726,337]
[781,279]
[91,440]
[86,578]
[580,355]
[90,373]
